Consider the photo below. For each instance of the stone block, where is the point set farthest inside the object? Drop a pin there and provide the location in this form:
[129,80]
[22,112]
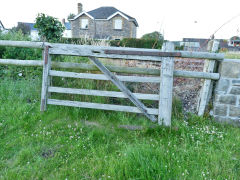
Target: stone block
[235,90]
[220,110]
[228,99]
[228,120]
[223,85]
[230,69]
[222,119]
[234,111]
[236,82]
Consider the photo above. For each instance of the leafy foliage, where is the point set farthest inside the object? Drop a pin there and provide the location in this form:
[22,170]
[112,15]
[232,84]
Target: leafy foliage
[154,35]
[49,28]
[18,53]
[79,41]
[235,38]
[71,16]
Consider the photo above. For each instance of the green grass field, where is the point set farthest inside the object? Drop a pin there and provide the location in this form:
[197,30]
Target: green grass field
[72,143]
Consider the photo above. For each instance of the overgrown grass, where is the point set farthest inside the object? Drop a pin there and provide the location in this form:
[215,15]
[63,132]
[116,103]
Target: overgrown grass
[229,55]
[73,143]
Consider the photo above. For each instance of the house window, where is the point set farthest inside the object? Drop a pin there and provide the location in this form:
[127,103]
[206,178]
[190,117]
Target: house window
[118,24]
[84,24]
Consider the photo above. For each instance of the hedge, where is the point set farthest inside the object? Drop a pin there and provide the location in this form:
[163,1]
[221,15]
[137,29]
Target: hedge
[137,43]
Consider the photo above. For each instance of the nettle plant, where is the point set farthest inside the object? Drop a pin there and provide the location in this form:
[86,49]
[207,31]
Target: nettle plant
[49,28]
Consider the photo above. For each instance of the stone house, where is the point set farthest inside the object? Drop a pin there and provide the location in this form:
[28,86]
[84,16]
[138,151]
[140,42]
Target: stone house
[68,29]
[32,30]
[103,23]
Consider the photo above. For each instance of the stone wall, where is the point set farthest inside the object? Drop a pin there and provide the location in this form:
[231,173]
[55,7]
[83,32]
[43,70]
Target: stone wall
[77,32]
[226,104]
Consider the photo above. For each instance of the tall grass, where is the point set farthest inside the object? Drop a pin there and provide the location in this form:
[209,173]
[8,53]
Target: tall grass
[75,143]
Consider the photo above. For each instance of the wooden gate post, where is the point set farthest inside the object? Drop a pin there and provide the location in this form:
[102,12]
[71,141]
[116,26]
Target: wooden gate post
[206,91]
[166,87]
[45,78]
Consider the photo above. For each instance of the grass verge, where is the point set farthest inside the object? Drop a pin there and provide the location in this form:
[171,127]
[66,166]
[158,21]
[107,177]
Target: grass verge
[73,143]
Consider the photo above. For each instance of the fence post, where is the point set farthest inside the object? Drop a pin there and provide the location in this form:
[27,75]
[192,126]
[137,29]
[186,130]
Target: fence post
[45,78]
[166,87]
[206,91]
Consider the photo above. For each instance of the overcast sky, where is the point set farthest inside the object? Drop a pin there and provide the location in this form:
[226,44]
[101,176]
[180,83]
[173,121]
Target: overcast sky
[175,18]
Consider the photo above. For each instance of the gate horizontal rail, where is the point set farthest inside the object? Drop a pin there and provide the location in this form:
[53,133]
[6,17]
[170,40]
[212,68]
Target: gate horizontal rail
[101,93]
[111,107]
[100,51]
[118,69]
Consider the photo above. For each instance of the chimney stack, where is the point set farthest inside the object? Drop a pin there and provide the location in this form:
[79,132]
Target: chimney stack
[63,21]
[80,9]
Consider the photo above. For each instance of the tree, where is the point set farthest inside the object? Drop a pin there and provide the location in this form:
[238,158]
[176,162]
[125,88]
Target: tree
[71,16]
[24,28]
[154,35]
[49,28]
[235,38]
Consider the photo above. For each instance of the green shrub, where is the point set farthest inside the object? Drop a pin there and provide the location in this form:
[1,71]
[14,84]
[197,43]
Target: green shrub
[179,48]
[137,43]
[49,28]
[79,41]
[18,53]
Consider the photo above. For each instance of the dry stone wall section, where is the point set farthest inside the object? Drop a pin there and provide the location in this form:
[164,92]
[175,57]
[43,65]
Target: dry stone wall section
[227,93]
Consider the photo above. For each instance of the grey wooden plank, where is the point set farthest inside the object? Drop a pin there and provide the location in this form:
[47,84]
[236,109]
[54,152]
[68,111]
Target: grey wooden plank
[119,69]
[101,93]
[45,78]
[166,87]
[99,51]
[123,88]
[34,63]
[202,55]
[140,53]
[110,107]
[27,44]
[194,74]
[206,91]
[102,77]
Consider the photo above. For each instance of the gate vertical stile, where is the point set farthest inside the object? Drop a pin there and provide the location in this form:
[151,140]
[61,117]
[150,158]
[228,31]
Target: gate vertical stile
[206,91]
[166,87]
[45,78]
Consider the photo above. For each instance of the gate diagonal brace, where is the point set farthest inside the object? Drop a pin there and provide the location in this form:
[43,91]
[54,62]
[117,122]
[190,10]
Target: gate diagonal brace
[123,88]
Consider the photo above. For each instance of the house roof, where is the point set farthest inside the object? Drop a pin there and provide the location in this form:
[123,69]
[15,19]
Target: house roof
[67,26]
[106,13]
[32,28]
[30,25]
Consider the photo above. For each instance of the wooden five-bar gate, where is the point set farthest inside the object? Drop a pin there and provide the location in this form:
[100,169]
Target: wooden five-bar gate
[163,76]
